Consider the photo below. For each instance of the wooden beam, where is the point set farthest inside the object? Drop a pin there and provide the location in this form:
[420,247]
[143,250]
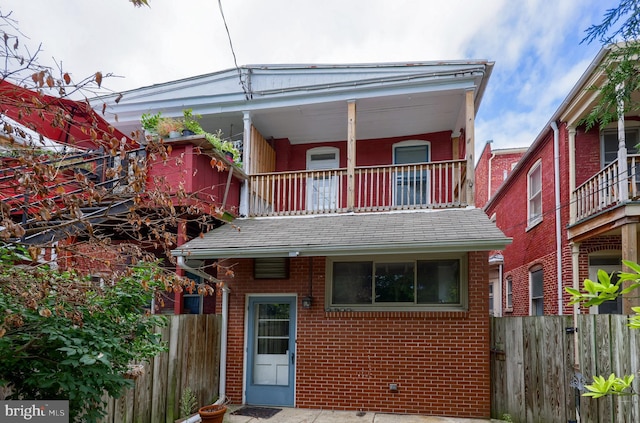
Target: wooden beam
[351,155]
[630,253]
[469,133]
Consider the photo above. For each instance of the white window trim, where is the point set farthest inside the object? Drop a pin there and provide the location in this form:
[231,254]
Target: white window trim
[411,143]
[508,302]
[464,284]
[531,222]
[531,272]
[612,129]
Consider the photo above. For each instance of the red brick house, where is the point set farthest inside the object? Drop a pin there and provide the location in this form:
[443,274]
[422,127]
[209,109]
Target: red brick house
[491,171]
[360,266]
[570,206]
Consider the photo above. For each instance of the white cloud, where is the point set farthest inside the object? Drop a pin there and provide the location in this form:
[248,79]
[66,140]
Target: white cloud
[534,43]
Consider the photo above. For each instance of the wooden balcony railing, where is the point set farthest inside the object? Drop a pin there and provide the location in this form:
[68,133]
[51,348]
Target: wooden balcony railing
[601,191]
[377,188]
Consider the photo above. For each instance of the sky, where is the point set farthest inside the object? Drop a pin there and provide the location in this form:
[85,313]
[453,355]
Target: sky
[535,44]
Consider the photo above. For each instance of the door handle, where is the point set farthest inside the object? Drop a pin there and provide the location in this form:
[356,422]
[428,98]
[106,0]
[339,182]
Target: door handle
[293,358]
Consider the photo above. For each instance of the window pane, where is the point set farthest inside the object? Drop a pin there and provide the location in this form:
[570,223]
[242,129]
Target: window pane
[394,282]
[273,346]
[537,290]
[273,311]
[535,181]
[535,207]
[412,154]
[273,328]
[352,282]
[439,282]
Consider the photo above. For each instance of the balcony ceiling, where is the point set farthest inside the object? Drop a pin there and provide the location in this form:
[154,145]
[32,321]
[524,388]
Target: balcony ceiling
[307,104]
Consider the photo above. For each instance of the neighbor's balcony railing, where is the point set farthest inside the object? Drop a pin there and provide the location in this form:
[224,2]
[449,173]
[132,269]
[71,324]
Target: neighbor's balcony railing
[375,188]
[601,191]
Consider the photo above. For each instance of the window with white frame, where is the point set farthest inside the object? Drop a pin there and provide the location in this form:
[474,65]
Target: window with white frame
[384,284]
[491,299]
[610,143]
[537,291]
[534,189]
[509,300]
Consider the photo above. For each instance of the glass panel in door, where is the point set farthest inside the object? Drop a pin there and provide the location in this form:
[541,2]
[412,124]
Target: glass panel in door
[322,186]
[412,182]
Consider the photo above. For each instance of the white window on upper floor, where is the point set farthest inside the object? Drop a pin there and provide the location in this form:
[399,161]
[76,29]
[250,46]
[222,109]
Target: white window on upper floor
[534,191]
[609,144]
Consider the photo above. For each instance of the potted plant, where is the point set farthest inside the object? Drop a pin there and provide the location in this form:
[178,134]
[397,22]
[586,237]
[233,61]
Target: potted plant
[169,127]
[150,122]
[190,123]
[213,413]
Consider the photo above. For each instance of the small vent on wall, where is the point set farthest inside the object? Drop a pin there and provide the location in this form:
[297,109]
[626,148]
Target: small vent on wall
[271,268]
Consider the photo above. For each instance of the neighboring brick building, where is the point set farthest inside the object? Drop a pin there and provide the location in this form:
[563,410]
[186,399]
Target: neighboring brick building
[570,206]
[360,266]
[492,170]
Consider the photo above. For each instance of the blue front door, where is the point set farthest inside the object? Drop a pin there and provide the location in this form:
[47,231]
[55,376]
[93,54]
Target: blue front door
[271,351]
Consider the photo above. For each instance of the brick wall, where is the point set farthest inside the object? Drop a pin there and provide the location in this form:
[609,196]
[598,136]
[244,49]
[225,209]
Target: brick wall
[497,165]
[346,360]
[537,245]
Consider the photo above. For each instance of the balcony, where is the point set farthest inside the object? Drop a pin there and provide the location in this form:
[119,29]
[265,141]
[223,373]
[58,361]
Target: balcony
[369,189]
[602,191]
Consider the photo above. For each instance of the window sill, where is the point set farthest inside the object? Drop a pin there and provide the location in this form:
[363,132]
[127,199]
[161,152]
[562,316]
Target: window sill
[533,224]
[377,313]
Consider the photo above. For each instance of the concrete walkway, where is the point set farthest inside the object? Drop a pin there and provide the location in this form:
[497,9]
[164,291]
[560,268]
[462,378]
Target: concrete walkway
[300,415]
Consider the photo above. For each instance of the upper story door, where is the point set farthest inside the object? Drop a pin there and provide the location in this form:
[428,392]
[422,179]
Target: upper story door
[412,182]
[322,187]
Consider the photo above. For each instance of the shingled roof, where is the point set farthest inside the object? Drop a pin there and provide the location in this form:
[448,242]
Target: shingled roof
[350,234]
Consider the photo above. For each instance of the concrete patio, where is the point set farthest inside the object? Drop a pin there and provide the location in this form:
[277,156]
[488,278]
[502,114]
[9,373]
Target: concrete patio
[298,415]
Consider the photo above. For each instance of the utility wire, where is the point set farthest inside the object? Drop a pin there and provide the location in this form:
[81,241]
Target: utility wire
[235,61]
[564,205]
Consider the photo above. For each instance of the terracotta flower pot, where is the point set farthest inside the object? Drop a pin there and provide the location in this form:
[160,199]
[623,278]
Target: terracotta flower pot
[212,413]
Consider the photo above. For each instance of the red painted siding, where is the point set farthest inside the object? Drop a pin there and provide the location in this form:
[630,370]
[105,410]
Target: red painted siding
[346,360]
[368,152]
[195,172]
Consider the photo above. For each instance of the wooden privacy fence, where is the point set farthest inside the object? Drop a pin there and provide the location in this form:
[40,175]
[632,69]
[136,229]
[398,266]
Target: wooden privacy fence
[532,368]
[192,362]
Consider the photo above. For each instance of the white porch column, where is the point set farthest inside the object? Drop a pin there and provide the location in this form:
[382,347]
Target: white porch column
[623,171]
[351,155]
[573,207]
[469,132]
[246,163]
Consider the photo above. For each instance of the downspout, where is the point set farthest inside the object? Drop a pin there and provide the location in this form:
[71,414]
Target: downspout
[222,386]
[500,276]
[556,177]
